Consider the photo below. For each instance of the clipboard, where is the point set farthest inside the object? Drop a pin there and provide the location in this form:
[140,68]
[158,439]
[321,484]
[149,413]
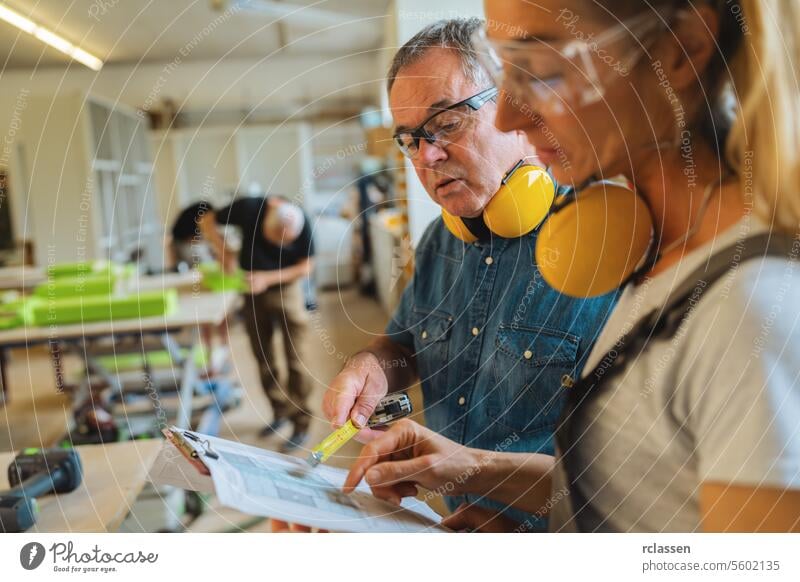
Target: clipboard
[187,450]
[260,482]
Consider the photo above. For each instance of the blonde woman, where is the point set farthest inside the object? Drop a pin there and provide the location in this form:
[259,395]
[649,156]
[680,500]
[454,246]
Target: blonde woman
[698,427]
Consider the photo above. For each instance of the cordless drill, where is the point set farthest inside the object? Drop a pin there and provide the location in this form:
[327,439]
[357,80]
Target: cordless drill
[33,473]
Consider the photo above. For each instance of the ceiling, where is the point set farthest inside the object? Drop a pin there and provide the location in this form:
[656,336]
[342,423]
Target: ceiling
[127,32]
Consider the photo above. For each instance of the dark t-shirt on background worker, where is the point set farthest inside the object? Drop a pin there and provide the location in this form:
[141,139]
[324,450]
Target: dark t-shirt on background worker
[276,307]
[257,253]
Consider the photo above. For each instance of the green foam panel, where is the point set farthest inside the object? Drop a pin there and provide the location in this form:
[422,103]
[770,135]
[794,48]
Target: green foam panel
[100,308]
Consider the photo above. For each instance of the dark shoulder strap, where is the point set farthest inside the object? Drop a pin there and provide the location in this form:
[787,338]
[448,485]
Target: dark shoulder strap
[658,323]
[664,322]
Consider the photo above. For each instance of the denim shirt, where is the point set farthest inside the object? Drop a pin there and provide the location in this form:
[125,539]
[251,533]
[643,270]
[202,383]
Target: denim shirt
[495,346]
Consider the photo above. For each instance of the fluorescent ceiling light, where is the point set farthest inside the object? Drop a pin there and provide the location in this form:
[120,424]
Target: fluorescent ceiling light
[87,59]
[53,40]
[17,20]
[48,37]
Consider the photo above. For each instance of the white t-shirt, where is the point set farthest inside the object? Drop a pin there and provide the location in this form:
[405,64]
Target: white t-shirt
[717,402]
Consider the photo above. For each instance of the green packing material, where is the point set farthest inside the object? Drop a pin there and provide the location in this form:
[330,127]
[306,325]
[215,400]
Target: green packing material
[79,269]
[11,313]
[10,321]
[65,287]
[215,279]
[100,308]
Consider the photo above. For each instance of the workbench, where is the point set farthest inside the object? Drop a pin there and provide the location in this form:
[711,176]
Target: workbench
[196,312]
[113,476]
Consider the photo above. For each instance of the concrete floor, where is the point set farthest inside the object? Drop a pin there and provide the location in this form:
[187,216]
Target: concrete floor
[344,323]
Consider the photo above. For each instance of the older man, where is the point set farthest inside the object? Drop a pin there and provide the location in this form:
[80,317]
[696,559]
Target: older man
[493,346]
[276,254]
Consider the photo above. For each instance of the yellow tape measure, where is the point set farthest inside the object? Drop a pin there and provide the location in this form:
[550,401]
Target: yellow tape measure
[389,409]
[332,443]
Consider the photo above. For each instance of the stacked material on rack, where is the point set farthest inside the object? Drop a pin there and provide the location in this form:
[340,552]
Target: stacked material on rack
[11,304]
[81,293]
[63,287]
[84,309]
[79,269]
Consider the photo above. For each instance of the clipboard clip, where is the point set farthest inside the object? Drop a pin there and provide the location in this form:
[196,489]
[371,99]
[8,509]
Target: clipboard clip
[208,451]
[179,440]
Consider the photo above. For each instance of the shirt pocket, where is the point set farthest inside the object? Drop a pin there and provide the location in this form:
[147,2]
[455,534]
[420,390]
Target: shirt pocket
[431,346]
[532,367]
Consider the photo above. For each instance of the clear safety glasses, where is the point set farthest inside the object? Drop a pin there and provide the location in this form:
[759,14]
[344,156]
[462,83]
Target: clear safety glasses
[444,126]
[566,74]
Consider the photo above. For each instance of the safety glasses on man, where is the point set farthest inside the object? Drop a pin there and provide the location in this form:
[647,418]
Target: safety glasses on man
[445,125]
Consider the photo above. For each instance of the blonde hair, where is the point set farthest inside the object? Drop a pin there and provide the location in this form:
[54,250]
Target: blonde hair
[759,53]
[764,143]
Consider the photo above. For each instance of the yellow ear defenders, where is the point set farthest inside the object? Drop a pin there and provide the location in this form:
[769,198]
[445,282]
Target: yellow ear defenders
[590,243]
[596,240]
[520,205]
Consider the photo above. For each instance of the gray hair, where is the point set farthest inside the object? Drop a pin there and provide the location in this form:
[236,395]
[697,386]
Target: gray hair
[455,34]
[288,219]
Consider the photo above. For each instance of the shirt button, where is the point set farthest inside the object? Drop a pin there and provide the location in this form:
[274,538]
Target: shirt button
[528,354]
[424,335]
[489,260]
[461,401]
[475,331]
[567,381]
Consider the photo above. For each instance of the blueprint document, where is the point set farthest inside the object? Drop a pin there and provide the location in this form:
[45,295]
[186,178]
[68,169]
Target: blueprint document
[260,482]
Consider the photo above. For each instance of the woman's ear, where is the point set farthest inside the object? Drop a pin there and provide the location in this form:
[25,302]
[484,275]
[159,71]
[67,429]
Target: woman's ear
[689,45]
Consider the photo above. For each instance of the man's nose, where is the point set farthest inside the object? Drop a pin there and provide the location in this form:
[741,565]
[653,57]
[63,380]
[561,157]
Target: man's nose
[430,153]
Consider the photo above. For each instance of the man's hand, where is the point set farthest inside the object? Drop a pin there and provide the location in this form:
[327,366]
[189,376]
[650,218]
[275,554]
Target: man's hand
[260,281]
[408,455]
[355,392]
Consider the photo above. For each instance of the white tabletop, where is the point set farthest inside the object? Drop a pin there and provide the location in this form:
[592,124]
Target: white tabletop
[190,281]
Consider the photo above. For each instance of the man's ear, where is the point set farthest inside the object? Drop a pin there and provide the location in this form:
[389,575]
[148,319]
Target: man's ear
[689,45]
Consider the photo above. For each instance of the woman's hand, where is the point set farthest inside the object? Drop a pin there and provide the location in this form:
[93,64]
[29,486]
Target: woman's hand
[408,455]
[479,519]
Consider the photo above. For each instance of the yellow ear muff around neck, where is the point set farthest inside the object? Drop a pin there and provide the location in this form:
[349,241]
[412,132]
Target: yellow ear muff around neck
[521,203]
[457,227]
[594,243]
[519,206]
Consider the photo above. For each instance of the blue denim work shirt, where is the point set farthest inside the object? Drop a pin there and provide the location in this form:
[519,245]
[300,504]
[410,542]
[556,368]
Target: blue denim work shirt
[495,346]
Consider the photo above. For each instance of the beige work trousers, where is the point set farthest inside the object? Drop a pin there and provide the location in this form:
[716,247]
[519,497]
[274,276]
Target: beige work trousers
[281,311]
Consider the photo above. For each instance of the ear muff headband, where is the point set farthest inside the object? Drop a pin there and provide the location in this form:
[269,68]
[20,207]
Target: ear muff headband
[519,206]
